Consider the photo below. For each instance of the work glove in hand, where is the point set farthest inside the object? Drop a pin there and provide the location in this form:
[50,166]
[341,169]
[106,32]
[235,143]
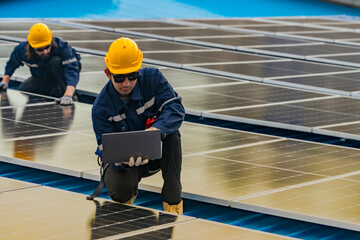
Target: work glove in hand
[139,161]
[3,85]
[65,100]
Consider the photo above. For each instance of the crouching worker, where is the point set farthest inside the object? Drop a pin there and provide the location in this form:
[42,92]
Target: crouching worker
[131,98]
[53,63]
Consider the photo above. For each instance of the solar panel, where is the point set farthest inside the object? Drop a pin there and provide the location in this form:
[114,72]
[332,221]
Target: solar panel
[6,49]
[245,41]
[198,138]
[157,45]
[184,35]
[7,184]
[12,129]
[271,69]
[34,208]
[200,229]
[354,57]
[338,104]
[347,82]
[92,63]
[306,202]
[240,95]
[280,28]
[25,25]
[127,24]
[316,49]
[284,116]
[228,21]
[150,48]
[333,35]
[93,220]
[210,56]
[180,78]
[50,115]
[189,31]
[13,98]
[205,100]
[153,45]
[275,168]
[320,160]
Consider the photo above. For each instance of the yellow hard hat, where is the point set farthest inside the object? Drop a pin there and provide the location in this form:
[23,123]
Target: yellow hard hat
[40,35]
[124,56]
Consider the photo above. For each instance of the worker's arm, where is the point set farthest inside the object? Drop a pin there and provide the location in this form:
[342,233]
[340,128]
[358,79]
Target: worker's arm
[70,90]
[4,84]
[6,79]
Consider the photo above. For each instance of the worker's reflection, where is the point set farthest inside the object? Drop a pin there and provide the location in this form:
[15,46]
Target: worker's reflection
[113,218]
[32,127]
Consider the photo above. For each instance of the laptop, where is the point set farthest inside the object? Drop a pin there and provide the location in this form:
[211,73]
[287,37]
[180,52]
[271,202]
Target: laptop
[120,146]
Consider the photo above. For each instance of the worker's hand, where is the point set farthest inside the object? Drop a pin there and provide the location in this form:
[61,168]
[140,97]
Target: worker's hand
[3,85]
[139,161]
[65,100]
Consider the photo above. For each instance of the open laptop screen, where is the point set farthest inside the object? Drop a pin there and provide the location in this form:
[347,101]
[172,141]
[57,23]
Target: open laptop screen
[120,146]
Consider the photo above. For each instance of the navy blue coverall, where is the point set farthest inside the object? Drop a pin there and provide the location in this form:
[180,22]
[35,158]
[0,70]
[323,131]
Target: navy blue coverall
[151,96]
[50,76]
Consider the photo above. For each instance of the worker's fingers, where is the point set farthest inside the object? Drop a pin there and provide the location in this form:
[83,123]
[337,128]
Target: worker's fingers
[145,161]
[138,161]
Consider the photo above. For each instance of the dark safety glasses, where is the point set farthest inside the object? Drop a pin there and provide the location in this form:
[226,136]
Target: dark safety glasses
[42,48]
[119,78]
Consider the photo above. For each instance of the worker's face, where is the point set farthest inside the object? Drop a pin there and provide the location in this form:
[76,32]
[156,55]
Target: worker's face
[43,52]
[124,83]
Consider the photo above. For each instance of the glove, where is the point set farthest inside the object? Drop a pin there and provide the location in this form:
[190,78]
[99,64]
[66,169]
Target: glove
[65,100]
[139,161]
[3,85]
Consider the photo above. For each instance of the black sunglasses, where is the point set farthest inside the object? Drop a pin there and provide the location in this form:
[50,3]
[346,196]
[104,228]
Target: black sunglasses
[119,78]
[43,48]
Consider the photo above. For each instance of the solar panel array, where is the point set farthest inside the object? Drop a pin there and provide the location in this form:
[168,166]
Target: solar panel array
[36,212]
[216,67]
[233,66]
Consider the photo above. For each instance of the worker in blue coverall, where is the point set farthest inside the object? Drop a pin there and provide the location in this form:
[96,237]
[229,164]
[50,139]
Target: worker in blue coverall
[134,98]
[53,63]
